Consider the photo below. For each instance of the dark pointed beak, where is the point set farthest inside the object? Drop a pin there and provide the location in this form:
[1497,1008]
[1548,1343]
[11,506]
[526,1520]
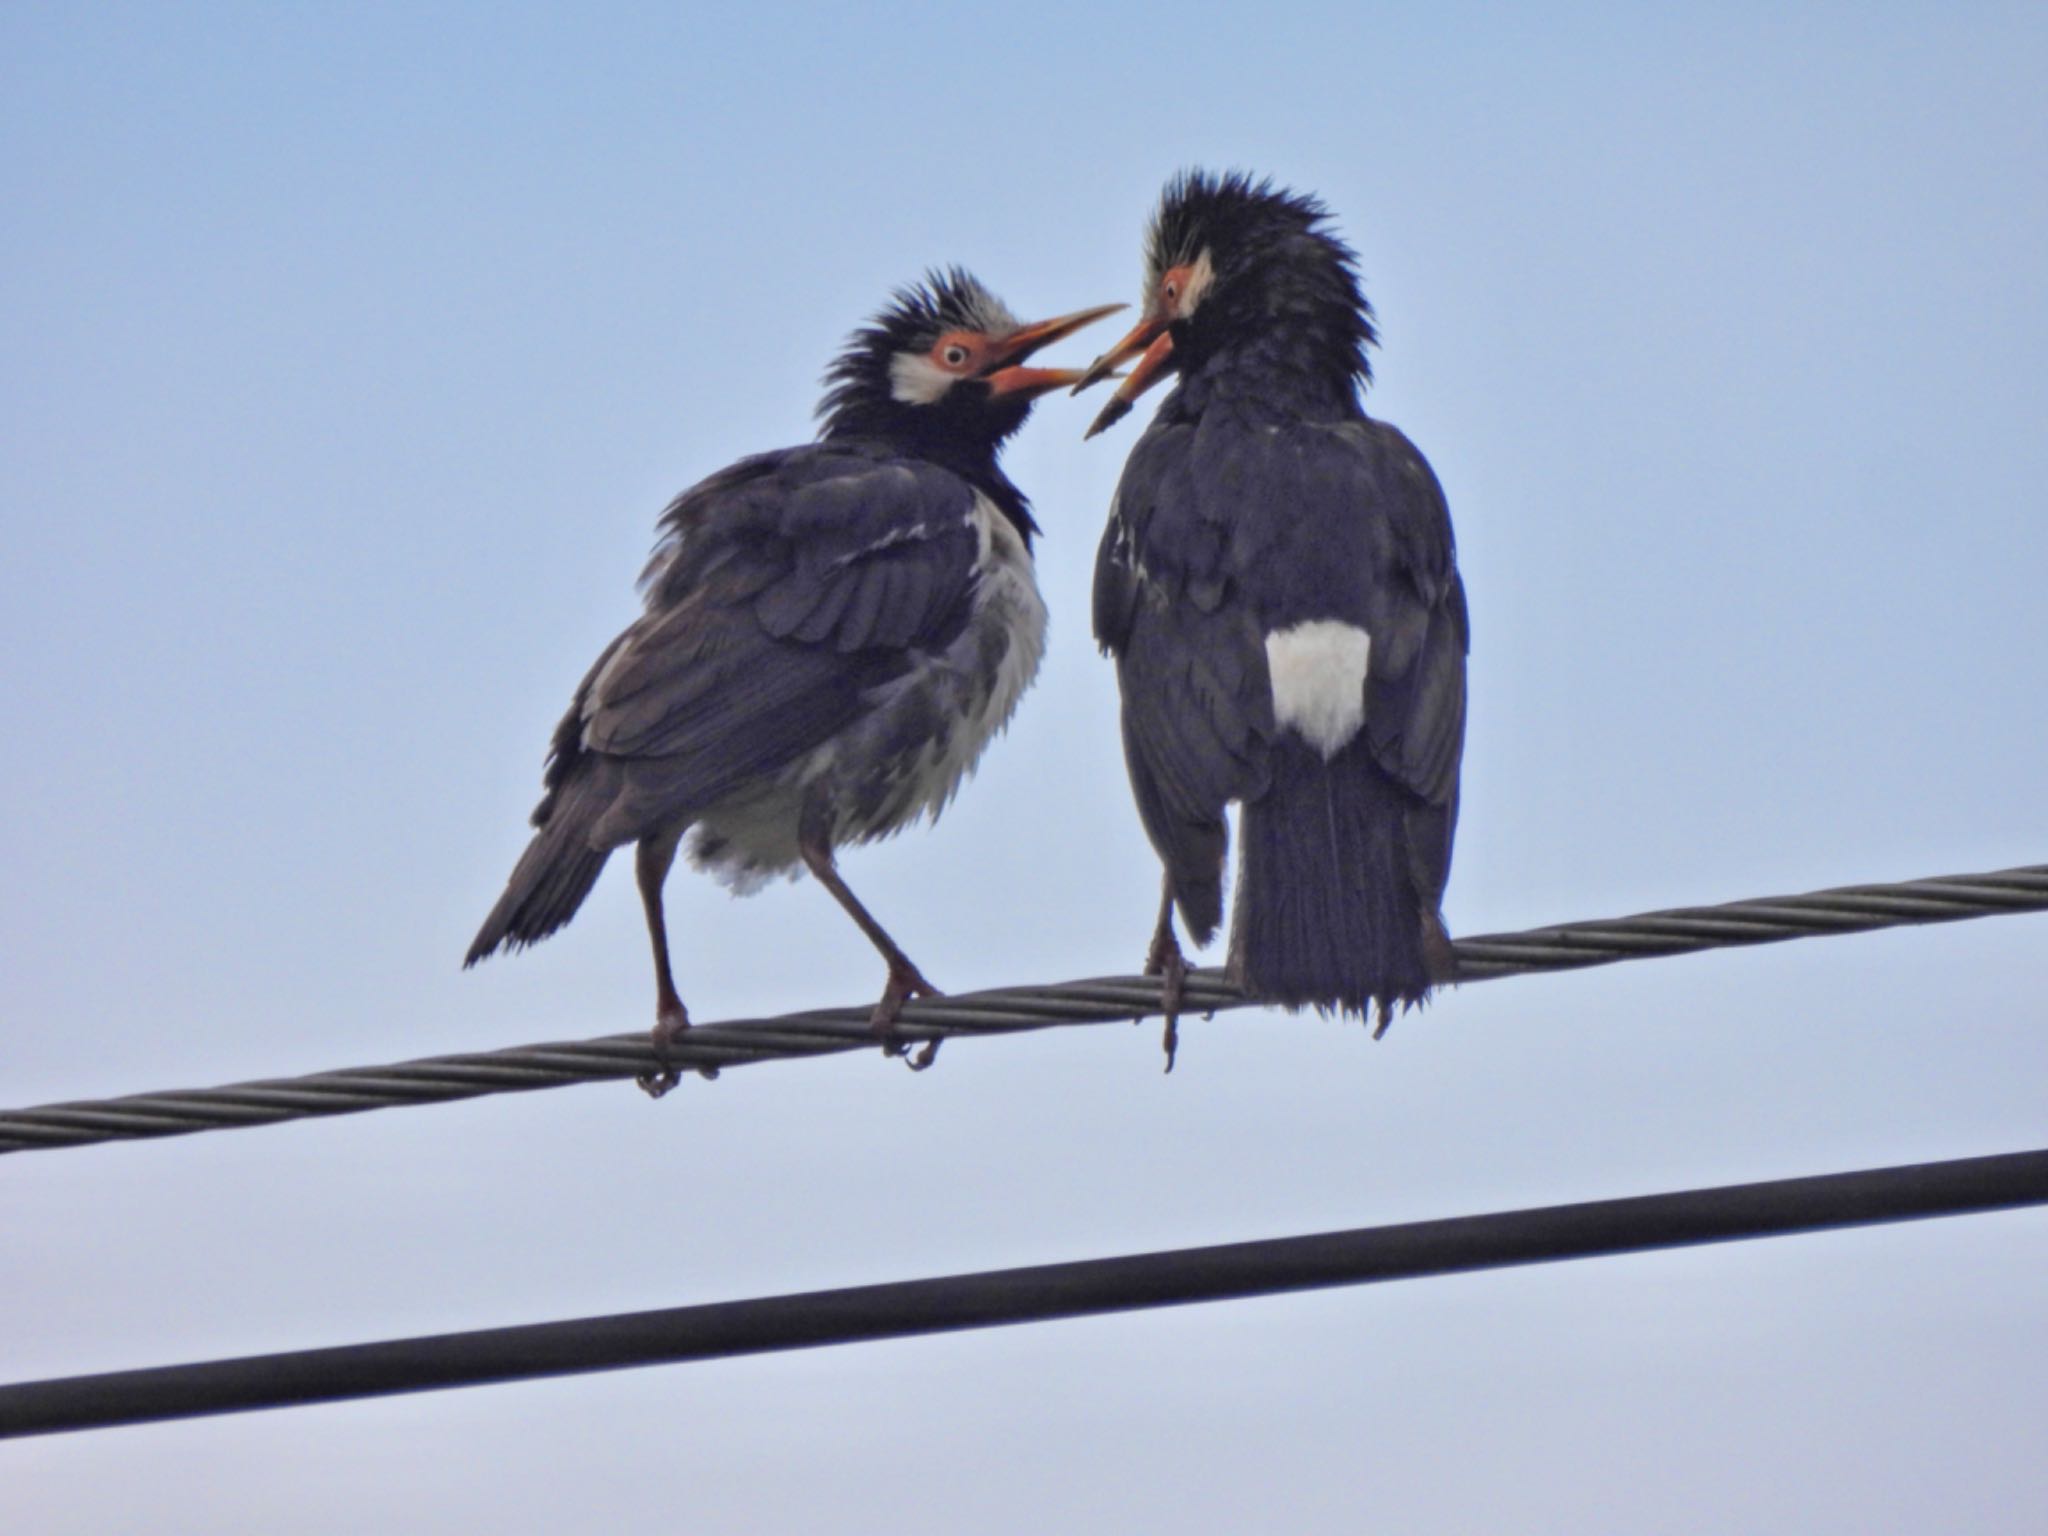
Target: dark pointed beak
[1140,337]
[1152,344]
[1007,380]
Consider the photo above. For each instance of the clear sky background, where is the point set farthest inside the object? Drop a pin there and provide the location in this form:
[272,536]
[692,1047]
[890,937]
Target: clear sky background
[346,360]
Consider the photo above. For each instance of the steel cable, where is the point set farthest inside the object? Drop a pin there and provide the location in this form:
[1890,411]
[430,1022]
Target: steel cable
[711,1048]
[1036,1294]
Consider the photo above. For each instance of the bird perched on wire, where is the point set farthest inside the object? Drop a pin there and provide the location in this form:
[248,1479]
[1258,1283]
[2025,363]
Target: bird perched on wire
[831,635]
[1279,588]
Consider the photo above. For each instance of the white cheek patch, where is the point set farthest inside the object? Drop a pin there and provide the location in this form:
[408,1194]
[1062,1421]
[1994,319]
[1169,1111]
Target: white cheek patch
[1200,276]
[1318,675]
[916,380]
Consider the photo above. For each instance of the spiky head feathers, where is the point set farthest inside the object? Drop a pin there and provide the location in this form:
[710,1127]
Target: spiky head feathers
[918,363]
[1229,257]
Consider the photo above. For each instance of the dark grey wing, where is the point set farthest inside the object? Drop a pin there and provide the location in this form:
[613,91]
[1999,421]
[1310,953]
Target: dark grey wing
[1415,681]
[1353,526]
[1197,711]
[1415,678]
[1346,521]
[785,589]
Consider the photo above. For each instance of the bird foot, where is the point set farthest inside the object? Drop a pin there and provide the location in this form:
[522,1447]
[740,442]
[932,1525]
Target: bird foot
[1165,961]
[905,982]
[670,1020]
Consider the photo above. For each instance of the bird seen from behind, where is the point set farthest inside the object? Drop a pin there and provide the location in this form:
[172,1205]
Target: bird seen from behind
[1278,586]
[830,636]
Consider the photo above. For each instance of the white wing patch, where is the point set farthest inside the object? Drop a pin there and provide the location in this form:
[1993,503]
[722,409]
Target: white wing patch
[1318,676]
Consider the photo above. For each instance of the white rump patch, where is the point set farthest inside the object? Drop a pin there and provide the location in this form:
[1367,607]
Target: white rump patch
[916,380]
[1318,674]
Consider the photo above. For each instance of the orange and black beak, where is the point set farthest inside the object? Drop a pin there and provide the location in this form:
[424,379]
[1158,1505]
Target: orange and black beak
[1151,343]
[1007,379]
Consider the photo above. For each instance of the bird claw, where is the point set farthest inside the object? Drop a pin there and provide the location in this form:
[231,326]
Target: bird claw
[669,1024]
[905,982]
[1386,1017]
[1165,961]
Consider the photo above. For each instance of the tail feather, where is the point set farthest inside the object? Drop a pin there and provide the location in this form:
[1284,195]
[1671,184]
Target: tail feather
[1200,896]
[550,880]
[1336,906]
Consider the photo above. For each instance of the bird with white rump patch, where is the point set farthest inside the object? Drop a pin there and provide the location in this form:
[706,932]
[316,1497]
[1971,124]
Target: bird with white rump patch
[1278,585]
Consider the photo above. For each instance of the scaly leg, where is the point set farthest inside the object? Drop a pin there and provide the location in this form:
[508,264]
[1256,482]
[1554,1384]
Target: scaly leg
[1165,961]
[905,980]
[651,864]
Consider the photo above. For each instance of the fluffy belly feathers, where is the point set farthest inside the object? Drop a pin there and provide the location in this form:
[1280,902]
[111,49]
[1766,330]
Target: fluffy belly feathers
[917,740]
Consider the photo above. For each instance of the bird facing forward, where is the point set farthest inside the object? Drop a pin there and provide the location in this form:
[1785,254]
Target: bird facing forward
[831,635]
[1279,588]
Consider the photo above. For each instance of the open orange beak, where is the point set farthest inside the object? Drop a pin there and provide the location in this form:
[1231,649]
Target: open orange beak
[1005,376]
[1151,343]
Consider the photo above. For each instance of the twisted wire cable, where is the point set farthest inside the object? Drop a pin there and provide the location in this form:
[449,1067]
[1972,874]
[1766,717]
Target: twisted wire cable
[711,1048]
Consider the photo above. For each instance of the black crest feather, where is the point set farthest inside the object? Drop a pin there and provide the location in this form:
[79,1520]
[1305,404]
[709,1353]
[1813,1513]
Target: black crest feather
[857,384]
[1275,257]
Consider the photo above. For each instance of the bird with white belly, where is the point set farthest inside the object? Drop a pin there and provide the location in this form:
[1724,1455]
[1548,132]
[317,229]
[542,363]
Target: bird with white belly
[830,636]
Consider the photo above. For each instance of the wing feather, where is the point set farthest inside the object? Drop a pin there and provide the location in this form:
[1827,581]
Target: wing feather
[784,590]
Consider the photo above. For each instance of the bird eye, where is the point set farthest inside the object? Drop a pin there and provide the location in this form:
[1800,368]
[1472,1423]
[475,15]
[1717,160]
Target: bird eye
[955,356]
[1172,290]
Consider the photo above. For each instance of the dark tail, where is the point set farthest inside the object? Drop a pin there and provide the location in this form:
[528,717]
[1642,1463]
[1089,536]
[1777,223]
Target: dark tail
[1340,872]
[1200,896]
[550,880]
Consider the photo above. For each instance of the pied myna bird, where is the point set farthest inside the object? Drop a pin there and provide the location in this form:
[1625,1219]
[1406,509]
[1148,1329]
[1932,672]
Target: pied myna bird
[1279,589]
[831,635]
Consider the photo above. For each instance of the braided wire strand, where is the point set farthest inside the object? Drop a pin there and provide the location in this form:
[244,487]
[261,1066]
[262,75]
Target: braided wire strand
[711,1048]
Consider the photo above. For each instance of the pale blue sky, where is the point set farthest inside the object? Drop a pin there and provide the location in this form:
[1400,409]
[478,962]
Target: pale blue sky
[346,361]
